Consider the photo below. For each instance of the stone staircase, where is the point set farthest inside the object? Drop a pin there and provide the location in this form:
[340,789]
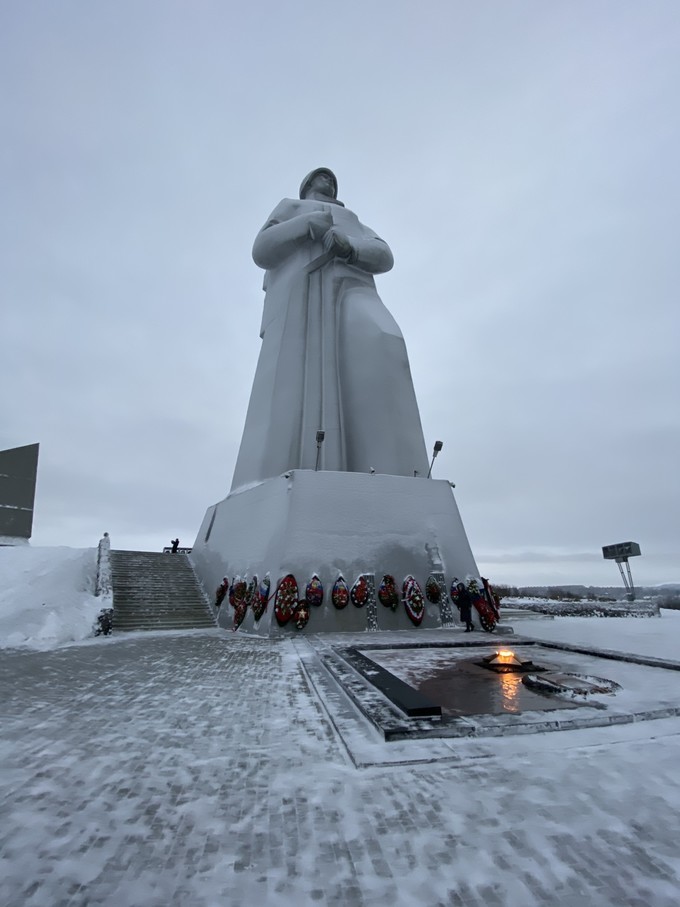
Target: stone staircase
[154,591]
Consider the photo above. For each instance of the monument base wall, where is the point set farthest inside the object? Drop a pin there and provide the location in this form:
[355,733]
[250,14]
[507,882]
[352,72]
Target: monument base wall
[335,524]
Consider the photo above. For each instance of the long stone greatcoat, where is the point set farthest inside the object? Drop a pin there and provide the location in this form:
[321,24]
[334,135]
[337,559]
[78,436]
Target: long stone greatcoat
[332,357]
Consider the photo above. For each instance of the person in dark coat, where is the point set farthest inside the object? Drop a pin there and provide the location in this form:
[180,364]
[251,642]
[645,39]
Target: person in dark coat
[221,593]
[464,603]
[175,545]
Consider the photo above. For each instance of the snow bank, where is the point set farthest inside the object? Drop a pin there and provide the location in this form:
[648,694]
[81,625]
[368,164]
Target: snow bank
[47,596]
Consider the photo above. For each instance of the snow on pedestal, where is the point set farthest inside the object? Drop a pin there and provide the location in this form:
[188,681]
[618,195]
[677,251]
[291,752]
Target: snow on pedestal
[333,524]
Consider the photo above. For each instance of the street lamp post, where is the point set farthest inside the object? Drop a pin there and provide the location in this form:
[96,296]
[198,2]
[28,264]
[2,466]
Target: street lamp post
[437,447]
[320,435]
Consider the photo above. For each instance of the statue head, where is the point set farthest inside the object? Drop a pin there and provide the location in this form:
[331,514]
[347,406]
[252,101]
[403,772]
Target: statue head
[325,180]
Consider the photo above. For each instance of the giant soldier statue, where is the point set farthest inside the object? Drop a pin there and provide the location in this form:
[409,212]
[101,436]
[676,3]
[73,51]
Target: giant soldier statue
[330,490]
[332,356]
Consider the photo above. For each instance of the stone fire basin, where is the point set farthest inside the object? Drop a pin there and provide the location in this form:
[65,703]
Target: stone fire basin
[477,702]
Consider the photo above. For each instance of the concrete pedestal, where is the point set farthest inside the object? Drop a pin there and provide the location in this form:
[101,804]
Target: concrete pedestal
[332,524]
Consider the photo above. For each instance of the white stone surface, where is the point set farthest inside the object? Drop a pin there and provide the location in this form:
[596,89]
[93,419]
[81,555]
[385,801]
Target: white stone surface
[333,523]
[332,356]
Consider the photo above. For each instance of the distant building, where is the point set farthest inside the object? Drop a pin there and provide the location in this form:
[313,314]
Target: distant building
[18,473]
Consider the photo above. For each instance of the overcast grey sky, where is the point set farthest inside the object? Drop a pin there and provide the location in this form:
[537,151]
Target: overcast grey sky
[520,158]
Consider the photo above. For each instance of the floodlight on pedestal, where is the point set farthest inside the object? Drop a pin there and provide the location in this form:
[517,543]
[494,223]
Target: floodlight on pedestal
[437,447]
[320,435]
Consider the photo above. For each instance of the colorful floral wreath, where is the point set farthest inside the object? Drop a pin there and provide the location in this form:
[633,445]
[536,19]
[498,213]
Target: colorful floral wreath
[433,590]
[251,593]
[487,617]
[387,592]
[360,592]
[286,599]
[414,601]
[238,600]
[314,591]
[238,593]
[340,593]
[301,615]
[261,599]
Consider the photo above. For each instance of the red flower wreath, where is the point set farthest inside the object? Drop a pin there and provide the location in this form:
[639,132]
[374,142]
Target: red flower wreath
[359,593]
[314,591]
[413,600]
[433,590]
[262,598]
[301,615]
[340,593]
[286,599]
[387,592]
[238,593]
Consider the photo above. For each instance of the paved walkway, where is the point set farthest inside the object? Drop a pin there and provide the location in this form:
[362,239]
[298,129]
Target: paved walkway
[203,770]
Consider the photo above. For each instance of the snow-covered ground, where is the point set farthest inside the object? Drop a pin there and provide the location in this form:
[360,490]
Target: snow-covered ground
[47,596]
[658,637]
[205,769]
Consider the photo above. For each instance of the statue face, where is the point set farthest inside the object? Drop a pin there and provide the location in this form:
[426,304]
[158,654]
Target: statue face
[323,184]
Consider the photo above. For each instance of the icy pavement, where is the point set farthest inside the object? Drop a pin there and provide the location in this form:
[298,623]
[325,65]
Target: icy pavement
[203,769]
